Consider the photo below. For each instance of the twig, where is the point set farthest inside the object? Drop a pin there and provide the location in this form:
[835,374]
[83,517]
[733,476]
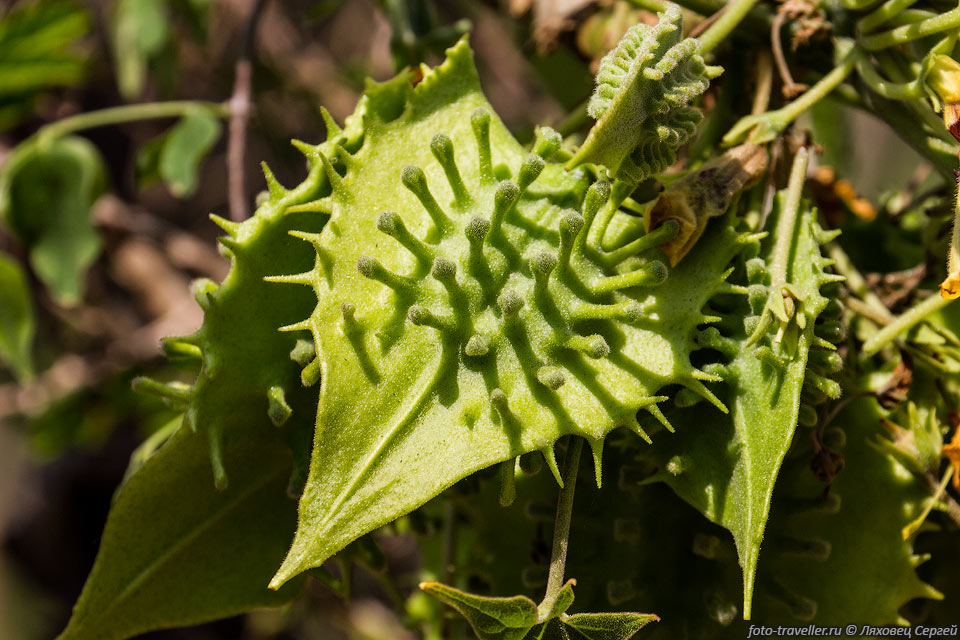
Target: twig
[240,115]
[761,97]
[790,88]
[124,113]
[704,24]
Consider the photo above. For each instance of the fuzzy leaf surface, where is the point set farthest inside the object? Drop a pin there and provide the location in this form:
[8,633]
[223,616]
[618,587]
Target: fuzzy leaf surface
[491,618]
[726,467]
[176,551]
[608,626]
[246,428]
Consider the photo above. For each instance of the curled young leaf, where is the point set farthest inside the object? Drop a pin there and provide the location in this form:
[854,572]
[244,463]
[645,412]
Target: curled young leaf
[184,148]
[645,87]
[46,191]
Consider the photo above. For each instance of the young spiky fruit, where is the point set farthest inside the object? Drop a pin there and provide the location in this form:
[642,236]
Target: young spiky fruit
[466,312]
[645,87]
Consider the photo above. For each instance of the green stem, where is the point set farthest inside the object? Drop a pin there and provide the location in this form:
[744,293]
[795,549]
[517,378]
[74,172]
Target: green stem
[575,120]
[910,16]
[903,323]
[734,12]
[858,5]
[125,113]
[921,109]
[767,126]
[788,221]
[890,90]
[656,6]
[561,528]
[882,14]
[910,32]
[857,284]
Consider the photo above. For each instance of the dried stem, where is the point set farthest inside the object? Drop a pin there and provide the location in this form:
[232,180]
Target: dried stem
[240,115]
[790,88]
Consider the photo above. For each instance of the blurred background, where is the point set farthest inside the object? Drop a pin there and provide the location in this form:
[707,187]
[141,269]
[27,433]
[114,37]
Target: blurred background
[68,431]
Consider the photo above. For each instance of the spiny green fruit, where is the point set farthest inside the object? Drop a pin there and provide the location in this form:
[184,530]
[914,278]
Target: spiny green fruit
[645,86]
[466,313]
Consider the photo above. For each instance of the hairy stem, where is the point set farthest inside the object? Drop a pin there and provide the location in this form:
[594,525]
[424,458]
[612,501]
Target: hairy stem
[125,113]
[938,495]
[733,13]
[781,255]
[904,322]
[561,529]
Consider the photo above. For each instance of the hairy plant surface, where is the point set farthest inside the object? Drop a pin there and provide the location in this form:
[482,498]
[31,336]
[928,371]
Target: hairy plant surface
[466,314]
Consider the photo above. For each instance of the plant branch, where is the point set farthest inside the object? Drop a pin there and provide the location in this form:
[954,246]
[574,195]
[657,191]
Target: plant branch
[790,89]
[889,90]
[125,113]
[240,107]
[887,11]
[761,97]
[910,32]
[733,12]
[561,529]
[764,127]
[904,322]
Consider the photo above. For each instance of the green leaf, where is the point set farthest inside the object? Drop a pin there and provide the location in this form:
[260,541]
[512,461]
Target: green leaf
[140,31]
[184,148]
[17,324]
[609,626]
[491,618]
[38,50]
[176,551]
[46,191]
[728,470]
[561,603]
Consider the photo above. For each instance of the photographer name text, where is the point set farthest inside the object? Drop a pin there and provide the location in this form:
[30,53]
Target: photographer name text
[852,631]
